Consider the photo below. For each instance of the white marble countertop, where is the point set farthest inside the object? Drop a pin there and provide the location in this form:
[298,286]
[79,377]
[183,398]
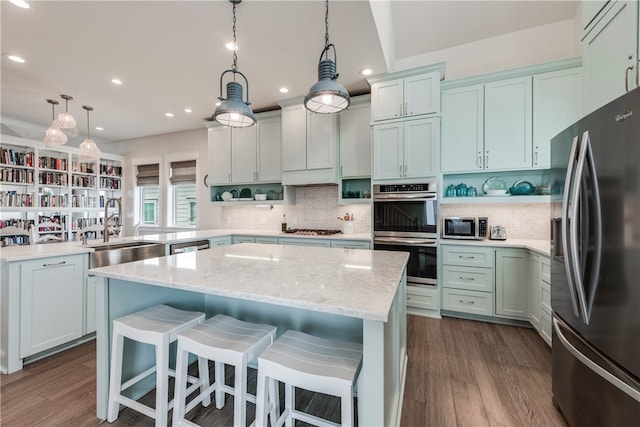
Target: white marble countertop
[26,252]
[543,247]
[350,282]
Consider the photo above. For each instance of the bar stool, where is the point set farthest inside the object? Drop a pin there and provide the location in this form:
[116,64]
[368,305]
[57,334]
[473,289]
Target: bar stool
[315,364]
[159,326]
[225,340]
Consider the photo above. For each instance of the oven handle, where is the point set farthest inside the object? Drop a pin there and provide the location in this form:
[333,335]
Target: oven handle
[396,196]
[400,241]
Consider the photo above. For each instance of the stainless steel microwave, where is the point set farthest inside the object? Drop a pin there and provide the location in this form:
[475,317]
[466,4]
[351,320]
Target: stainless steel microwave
[471,228]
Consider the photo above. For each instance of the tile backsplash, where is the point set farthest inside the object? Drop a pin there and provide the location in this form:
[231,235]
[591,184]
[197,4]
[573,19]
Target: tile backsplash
[532,218]
[316,207]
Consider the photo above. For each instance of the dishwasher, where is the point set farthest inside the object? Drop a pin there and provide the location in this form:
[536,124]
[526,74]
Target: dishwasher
[180,248]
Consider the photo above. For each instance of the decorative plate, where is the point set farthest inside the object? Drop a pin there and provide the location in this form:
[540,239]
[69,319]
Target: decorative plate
[496,184]
[245,193]
[234,193]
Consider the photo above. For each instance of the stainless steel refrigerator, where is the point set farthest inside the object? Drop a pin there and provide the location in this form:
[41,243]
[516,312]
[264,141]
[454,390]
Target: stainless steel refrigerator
[595,266]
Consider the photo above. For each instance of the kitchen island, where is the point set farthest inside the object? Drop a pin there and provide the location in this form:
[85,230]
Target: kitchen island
[349,294]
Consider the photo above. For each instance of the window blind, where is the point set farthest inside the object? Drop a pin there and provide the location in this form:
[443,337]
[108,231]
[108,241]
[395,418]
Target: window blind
[147,175]
[183,172]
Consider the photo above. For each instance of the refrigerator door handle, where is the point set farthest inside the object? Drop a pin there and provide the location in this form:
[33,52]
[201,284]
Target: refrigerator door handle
[585,151]
[564,224]
[597,226]
[606,375]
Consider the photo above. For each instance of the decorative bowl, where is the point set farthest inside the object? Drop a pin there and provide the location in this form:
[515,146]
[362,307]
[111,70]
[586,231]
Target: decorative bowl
[226,196]
[260,196]
[522,188]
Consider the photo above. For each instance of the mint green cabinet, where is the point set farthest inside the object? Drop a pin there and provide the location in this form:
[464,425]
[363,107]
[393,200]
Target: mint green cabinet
[355,139]
[243,239]
[406,149]
[535,295]
[508,124]
[321,243]
[350,244]
[219,155]
[406,97]
[220,241]
[609,46]
[51,311]
[463,129]
[512,284]
[487,126]
[557,104]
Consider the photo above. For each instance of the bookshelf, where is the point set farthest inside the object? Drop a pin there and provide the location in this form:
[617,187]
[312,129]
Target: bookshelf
[38,184]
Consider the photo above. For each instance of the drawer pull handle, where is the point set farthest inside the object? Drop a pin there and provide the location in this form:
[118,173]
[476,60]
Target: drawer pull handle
[466,302]
[55,263]
[466,257]
[467,278]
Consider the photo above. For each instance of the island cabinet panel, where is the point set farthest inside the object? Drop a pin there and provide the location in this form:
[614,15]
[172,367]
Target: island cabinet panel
[508,124]
[512,293]
[51,302]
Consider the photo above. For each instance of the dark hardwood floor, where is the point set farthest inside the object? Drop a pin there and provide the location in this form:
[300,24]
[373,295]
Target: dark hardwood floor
[460,373]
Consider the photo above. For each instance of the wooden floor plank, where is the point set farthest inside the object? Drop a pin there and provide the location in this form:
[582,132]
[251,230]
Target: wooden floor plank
[459,373]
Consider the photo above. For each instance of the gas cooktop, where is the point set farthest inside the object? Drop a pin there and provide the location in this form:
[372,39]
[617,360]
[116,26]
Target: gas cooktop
[311,232]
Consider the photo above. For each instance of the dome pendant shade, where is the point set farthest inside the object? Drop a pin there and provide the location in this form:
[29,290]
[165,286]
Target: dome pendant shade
[54,137]
[89,151]
[327,95]
[233,111]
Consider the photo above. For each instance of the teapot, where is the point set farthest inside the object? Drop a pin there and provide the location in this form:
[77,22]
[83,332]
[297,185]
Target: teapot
[461,190]
[451,191]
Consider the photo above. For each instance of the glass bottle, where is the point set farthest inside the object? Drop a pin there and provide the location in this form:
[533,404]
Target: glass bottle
[284,223]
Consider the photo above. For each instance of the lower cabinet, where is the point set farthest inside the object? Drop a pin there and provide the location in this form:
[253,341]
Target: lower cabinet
[421,298]
[351,244]
[512,286]
[321,243]
[243,239]
[220,241]
[467,279]
[51,302]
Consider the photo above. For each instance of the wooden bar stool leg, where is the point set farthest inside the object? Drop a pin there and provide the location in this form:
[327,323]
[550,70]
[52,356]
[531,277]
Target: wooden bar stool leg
[116,375]
[219,372]
[162,382]
[203,369]
[179,398]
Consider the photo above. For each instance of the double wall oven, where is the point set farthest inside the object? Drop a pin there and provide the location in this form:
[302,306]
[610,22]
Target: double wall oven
[405,218]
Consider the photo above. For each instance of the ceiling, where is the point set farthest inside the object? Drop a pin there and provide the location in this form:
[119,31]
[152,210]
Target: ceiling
[170,54]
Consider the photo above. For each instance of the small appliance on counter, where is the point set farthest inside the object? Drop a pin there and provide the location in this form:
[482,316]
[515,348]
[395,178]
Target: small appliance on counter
[470,228]
[498,232]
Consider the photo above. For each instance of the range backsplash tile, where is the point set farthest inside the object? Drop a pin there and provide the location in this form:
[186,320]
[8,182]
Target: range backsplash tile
[533,217]
[316,207]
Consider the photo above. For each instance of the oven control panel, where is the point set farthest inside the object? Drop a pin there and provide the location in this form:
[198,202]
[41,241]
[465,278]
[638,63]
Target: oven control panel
[396,188]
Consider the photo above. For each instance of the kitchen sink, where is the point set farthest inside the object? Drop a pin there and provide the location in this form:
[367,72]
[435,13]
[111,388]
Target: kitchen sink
[121,252]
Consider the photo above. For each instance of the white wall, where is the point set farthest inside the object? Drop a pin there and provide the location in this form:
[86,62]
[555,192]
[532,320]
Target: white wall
[167,145]
[528,47]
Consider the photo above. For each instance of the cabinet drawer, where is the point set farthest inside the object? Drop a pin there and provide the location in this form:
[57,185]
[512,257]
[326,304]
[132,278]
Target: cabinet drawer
[545,330]
[350,244]
[468,301]
[422,297]
[323,243]
[470,278]
[545,270]
[267,240]
[545,297]
[469,256]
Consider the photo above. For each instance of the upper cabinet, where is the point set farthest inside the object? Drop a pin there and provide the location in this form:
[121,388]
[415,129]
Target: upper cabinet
[309,145]
[557,104]
[610,48]
[246,155]
[505,121]
[406,149]
[406,97]
[355,139]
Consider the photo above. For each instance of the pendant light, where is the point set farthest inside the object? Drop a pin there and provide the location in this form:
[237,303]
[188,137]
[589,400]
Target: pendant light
[89,151]
[54,136]
[327,95]
[234,111]
[66,122]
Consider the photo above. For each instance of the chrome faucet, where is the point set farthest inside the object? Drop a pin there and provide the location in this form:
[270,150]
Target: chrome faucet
[107,217]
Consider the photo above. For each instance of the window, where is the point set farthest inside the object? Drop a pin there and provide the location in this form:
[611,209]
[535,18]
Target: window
[183,193]
[148,183]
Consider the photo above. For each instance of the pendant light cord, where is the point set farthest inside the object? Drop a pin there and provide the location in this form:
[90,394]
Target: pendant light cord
[234,67]
[326,24]
[88,128]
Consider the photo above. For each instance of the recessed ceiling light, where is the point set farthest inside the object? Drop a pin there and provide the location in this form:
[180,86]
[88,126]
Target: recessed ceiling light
[284,90]
[188,110]
[21,3]
[116,81]
[366,71]
[15,58]
[99,128]
[231,46]
[168,114]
